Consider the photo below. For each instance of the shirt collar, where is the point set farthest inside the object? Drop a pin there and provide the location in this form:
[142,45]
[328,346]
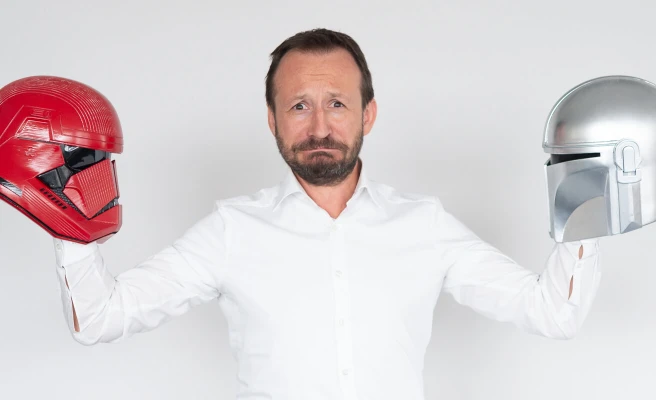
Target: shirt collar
[290,186]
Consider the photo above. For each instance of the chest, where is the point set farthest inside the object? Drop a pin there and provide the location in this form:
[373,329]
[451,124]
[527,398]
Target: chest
[377,271]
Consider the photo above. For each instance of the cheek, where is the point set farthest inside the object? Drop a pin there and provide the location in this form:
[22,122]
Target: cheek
[345,126]
[292,125]
[289,134]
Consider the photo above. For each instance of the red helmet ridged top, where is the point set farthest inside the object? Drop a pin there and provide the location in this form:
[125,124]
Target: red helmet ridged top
[56,140]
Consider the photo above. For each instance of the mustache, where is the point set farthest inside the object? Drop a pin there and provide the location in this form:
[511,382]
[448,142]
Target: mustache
[325,143]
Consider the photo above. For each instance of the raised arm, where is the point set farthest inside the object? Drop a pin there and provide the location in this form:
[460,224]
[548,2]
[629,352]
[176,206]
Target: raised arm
[553,303]
[101,307]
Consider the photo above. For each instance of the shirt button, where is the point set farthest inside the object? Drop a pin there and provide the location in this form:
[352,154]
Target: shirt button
[345,372]
[341,322]
[338,273]
[58,246]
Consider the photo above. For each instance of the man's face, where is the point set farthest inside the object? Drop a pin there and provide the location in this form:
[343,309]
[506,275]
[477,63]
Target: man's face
[319,123]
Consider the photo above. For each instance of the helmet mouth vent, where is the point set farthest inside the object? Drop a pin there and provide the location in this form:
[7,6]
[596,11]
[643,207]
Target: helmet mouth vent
[53,198]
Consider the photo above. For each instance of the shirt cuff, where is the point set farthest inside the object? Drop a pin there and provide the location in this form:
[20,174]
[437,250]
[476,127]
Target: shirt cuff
[67,252]
[84,281]
[590,248]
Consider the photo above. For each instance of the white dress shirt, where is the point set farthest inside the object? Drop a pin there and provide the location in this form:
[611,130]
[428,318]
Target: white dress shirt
[321,308]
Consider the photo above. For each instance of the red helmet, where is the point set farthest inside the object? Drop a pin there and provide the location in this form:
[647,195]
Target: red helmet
[56,140]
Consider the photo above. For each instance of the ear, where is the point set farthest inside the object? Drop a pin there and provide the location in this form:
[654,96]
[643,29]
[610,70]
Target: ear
[271,118]
[369,116]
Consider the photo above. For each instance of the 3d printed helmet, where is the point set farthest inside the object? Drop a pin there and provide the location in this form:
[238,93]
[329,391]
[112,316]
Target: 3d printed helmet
[56,140]
[601,177]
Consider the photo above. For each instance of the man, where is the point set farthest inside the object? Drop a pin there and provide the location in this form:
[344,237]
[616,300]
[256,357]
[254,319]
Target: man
[328,281]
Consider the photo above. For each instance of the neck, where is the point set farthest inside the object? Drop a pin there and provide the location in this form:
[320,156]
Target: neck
[333,198]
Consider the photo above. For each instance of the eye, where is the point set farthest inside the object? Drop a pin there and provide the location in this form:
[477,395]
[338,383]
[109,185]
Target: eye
[338,104]
[558,158]
[299,106]
[80,158]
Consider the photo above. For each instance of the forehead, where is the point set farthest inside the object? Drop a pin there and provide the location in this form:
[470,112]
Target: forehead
[299,70]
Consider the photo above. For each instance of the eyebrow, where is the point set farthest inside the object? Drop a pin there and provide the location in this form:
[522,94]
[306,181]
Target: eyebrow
[336,94]
[330,93]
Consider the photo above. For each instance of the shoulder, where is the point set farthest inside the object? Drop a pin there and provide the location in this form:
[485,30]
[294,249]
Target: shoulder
[259,199]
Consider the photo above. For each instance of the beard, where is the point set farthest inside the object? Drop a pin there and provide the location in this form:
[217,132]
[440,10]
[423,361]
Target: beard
[321,168]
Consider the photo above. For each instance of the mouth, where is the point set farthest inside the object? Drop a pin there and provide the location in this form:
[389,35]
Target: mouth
[321,149]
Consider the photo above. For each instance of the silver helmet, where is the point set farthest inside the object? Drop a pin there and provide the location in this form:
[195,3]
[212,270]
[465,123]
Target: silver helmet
[601,177]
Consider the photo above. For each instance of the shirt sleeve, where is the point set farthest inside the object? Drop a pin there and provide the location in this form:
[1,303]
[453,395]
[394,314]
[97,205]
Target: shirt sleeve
[491,283]
[111,308]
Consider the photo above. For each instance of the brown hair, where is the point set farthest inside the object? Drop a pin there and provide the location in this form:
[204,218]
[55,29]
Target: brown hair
[318,40]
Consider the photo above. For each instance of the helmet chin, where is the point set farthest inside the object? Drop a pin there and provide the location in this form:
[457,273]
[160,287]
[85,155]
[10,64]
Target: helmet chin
[581,205]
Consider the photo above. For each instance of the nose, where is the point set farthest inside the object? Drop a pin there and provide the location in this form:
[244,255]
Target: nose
[319,126]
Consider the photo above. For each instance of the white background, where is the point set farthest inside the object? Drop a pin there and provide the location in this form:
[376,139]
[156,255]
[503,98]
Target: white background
[463,88]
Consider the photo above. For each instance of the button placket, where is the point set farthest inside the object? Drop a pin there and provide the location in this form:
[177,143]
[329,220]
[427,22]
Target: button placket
[342,310]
